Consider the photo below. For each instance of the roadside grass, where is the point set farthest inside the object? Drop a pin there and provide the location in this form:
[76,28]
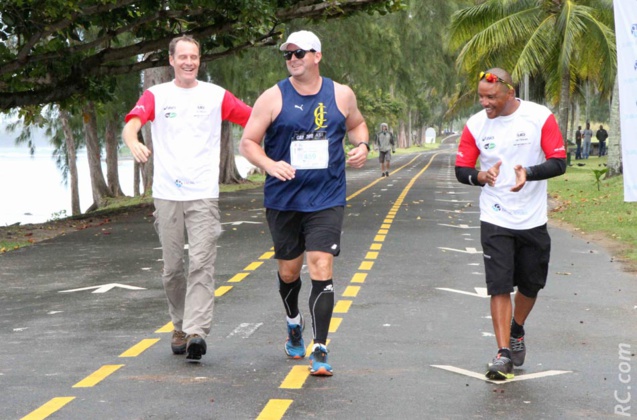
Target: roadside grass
[595,207]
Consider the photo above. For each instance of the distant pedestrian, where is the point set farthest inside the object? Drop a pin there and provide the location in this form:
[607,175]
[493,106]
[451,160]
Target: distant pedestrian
[518,145]
[385,144]
[186,116]
[601,136]
[578,142]
[302,121]
[587,135]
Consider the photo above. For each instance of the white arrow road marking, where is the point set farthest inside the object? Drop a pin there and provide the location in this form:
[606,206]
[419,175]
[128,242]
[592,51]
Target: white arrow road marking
[467,250]
[459,226]
[480,291]
[103,288]
[240,222]
[516,378]
[245,330]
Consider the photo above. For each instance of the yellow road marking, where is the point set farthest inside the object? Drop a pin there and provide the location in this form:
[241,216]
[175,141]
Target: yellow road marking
[371,255]
[385,226]
[342,306]
[334,324]
[267,255]
[238,277]
[139,348]
[222,290]
[383,231]
[351,291]
[97,376]
[253,266]
[274,409]
[376,247]
[379,238]
[366,265]
[50,407]
[296,378]
[166,328]
[359,278]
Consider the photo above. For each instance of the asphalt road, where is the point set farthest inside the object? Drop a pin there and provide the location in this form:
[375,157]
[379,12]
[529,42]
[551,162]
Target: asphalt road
[410,337]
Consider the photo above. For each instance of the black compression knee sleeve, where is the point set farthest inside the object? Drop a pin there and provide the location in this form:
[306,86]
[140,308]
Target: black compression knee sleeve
[321,307]
[290,294]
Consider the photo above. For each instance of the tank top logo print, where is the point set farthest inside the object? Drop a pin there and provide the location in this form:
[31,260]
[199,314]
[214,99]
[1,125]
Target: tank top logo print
[320,116]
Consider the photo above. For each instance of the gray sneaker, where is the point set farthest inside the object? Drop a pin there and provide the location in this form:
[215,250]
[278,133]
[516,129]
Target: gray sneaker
[518,350]
[501,368]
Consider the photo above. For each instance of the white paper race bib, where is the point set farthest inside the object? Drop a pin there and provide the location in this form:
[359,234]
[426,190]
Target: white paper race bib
[309,154]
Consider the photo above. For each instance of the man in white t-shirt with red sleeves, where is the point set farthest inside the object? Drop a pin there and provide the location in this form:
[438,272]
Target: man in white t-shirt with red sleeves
[519,145]
[186,116]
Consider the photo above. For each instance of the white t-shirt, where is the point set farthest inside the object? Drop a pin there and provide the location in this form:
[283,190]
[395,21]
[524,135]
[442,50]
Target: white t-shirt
[186,130]
[527,137]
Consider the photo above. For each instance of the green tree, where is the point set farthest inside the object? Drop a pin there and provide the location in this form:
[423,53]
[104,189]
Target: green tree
[47,58]
[559,43]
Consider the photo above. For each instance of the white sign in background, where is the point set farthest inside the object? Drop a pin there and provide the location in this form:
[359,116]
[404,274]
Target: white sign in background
[626,39]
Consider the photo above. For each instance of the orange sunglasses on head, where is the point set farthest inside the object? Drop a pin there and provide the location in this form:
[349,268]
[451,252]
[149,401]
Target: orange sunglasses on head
[492,78]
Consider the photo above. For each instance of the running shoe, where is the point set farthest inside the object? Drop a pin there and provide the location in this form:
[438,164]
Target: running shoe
[195,347]
[501,368]
[318,361]
[294,347]
[518,350]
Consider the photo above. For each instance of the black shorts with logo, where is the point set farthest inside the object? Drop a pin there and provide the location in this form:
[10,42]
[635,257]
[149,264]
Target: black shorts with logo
[515,258]
[295,232]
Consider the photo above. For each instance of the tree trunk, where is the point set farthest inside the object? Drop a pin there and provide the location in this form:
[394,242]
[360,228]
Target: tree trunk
[152,77]
[615,163]
[111,144]
[563,105]
[72,162]
[228,172]
[98,184]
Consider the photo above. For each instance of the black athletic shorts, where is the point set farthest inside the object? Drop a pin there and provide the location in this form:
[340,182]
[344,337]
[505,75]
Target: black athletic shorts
[295,232]
[515,258]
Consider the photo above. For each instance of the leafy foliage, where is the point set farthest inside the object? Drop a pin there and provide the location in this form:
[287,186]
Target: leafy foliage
[59,50]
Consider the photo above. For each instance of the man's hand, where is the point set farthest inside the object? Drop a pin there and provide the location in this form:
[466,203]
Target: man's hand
[490,176]
[140,152]
[357,156]
[520,178]
[281,170]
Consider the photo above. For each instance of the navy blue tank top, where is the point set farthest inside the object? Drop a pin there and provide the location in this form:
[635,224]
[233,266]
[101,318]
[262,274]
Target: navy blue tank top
[307,118]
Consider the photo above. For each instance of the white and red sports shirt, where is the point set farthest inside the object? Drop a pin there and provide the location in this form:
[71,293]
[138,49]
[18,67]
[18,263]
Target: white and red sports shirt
[527,137]
[186,130]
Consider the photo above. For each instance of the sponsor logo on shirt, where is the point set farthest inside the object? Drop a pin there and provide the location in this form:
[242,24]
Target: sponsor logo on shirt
[319,116]
[488,146]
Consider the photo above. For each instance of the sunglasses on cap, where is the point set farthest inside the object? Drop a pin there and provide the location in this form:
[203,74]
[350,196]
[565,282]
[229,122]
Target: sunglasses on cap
[297,53]
[492,78]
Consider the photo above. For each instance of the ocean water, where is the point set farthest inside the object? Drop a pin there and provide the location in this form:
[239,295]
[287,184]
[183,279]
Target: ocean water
[32,188]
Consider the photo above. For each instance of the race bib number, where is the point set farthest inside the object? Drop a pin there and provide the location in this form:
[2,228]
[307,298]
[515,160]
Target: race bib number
[312,154]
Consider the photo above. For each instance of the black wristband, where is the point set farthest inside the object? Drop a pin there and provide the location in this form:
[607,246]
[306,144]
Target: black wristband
[365,143]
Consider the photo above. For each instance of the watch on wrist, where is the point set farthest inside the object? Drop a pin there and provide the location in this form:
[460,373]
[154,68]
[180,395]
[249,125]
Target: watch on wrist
[366,145]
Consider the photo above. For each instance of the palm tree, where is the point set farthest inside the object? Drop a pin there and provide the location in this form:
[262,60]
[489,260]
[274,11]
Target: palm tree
[557,42]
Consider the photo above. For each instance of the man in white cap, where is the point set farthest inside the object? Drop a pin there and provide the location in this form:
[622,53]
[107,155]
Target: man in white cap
[386,146]
[304,119]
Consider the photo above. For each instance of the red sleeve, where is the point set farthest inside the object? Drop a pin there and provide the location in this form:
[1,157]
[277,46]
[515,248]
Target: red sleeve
[468,152]
[144,109]
[234,110]
[552,140]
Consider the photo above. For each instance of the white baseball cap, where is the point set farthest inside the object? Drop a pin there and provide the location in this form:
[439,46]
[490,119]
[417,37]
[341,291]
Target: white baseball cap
[305,40]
